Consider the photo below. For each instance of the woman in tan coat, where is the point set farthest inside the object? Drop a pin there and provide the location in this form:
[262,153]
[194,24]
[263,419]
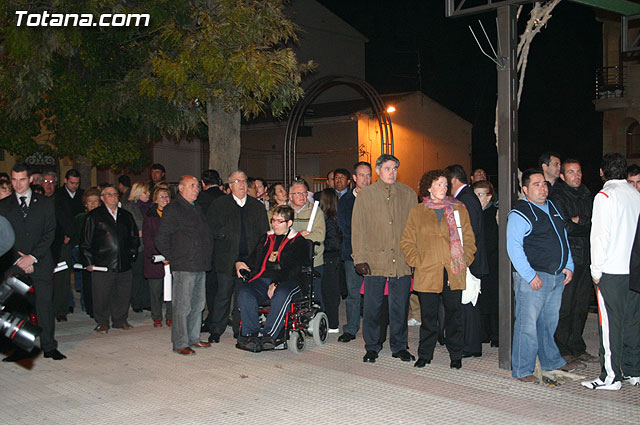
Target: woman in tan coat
[432,245]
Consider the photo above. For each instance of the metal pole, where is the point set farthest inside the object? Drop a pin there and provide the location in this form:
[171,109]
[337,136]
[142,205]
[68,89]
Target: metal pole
[507,167]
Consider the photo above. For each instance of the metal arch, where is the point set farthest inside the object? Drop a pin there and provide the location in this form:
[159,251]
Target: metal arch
[316,89]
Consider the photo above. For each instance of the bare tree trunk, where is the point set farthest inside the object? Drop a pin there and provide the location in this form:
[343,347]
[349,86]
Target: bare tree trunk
[83,166]
[224,139]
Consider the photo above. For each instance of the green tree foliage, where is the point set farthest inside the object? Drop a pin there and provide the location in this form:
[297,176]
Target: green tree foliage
[81,84]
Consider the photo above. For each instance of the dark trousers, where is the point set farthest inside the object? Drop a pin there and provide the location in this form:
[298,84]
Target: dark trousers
[228,286]
[472,323]
[252,294]
[45,311]
[111,295]
[619,311]
[399,288]
[61,283]
[429,306]
[87,293]
[140,297]
[156,293]
[211,289]
[331,291]
[573,312]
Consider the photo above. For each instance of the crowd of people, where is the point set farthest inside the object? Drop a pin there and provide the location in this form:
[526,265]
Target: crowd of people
[397,259]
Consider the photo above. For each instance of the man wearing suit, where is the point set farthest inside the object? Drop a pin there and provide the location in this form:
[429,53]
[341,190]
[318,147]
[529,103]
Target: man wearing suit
[68,204]
[34,223]
[237,222]
[211,182]
[480,266]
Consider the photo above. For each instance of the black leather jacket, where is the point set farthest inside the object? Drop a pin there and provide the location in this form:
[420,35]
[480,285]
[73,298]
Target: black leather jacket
[575,202]
[109,243]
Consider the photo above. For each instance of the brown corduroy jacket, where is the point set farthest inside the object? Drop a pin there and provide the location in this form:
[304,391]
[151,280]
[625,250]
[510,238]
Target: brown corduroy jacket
[425,243]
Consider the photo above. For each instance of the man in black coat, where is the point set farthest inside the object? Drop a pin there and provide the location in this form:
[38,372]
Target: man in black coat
[237,222]
[68,204]
[480,266]
[32,217]
[110,240]
[185,241]
[575,202]
[211,182]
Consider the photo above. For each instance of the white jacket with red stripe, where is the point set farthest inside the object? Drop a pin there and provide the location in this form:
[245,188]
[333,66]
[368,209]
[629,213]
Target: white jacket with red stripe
[615,216]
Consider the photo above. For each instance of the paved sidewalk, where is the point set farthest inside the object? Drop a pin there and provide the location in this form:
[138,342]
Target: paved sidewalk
[132,377]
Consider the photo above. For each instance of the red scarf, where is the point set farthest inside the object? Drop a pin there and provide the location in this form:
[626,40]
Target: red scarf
[455,245]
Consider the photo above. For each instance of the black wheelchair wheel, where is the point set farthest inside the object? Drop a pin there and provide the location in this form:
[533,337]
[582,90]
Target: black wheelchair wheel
[320,328]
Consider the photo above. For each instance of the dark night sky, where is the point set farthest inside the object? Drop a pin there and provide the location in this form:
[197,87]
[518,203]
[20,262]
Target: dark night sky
[556,111]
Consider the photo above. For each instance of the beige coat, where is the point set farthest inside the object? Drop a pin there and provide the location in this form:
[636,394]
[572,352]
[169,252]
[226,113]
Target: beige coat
[379,216]
[425,244]
[300,223]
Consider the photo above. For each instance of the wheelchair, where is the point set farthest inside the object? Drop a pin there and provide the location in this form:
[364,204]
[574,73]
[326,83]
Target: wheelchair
[304,317]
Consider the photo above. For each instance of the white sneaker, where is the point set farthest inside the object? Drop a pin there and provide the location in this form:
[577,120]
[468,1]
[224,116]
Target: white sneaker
[633,380]
[334,331]
[598,384]
[413,322]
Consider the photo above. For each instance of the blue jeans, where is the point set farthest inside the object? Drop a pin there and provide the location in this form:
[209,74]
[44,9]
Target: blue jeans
[187,303]
[353,301]
[537,315]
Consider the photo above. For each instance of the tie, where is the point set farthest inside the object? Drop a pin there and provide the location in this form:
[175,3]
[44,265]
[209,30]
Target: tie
[23,206]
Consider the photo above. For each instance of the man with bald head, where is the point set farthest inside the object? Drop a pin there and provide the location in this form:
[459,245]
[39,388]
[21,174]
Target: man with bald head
[237,222]
[185,241]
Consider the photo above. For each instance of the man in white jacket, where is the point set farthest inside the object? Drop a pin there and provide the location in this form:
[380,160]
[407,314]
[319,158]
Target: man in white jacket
[615,216]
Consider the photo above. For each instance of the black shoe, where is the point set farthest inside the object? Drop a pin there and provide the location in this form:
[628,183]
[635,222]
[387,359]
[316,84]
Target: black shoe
[421,362]
[495,344]
[214,338]
[267,343]
[404,355]
[466,354]
[455,364]
[253,344]
[346,337]
[71,310]
[54,354]
[441,340]
[370,357]
[137,309]
[20,354]
[61,317]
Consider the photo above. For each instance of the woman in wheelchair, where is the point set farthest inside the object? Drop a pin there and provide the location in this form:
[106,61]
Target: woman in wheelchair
[272,272]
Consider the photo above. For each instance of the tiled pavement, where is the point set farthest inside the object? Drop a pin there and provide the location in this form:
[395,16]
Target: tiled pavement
[133,377]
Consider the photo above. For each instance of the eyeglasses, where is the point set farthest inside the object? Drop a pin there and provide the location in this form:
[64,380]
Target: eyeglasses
[299,193]
[277,220]
[238,181]
[48,181]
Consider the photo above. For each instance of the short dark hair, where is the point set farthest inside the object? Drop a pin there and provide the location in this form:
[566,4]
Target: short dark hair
[427,180]
[72,173]
[285,211]
[250,181]
[545,158]
[261,180]
[614,166]
[483,184]
[457,171]
[386,157]
[4,176]
[526,175]
[633,170]
[21,167]
[210,177]
[359,163]
[342,171]
[158,166]
[125,180]
[570,161]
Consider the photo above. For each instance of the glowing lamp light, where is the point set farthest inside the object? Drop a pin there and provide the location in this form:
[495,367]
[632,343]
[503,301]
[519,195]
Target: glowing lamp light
[391,109]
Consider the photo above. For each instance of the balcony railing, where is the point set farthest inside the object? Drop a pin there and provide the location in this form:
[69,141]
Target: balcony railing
[609,82]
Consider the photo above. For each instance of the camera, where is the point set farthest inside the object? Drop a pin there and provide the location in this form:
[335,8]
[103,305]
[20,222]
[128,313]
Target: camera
[17,328]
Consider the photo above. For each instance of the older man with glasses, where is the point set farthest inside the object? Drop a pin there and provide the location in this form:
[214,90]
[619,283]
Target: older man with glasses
[109,246]
[237,221]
